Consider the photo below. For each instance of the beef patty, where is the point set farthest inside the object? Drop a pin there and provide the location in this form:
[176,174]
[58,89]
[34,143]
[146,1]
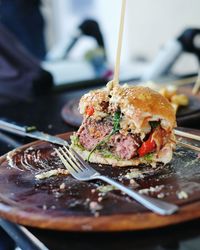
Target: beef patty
[93,132]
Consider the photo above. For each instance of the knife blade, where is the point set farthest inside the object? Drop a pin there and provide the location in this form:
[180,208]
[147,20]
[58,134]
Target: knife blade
[31,132]
[22,236]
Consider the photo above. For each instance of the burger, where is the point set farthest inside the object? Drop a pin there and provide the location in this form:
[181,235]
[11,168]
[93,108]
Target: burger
[125,126]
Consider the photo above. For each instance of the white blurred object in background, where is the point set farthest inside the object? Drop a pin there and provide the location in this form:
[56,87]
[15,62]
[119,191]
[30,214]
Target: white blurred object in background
[148,27]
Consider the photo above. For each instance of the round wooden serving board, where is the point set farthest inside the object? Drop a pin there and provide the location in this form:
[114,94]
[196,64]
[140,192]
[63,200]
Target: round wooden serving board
[63,203]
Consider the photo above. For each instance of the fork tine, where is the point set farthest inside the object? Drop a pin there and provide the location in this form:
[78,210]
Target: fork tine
[69,160]
[66,164]
[74,157]
[64,161]
[81,160]
[88,173]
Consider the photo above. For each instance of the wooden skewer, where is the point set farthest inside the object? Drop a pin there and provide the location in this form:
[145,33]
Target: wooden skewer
[186,145]
[189,136]
[181,82]
[186,135]
[119,48]
[196,87]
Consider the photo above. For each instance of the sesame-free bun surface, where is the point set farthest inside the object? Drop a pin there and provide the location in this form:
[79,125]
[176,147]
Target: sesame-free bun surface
[145,101]
[135,101]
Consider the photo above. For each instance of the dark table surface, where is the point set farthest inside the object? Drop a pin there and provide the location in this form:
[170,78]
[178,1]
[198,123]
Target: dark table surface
[44,112]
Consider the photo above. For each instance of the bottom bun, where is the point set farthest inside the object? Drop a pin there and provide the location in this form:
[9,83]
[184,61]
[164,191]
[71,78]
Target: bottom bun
[97,157]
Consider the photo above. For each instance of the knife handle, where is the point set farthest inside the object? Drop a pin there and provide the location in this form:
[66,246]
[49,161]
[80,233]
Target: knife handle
[12,127]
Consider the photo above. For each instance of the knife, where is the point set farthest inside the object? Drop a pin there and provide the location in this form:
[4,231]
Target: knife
[22,236]
[30,131]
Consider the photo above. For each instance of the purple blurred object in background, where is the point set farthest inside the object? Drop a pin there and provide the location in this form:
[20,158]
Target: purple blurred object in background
[20,73]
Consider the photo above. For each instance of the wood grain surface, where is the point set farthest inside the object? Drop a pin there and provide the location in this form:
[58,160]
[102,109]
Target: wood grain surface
[63,203]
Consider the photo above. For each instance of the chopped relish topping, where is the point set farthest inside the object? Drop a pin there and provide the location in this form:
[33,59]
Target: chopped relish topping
[90,111]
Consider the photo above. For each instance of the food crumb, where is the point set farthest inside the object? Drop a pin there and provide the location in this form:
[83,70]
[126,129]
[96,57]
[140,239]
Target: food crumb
[100,199]
[182,195]
[161,195]
[106,188]
[62,186]
[93,191]
[57,194]
[134,174]
[133,183]
[44,207]
[151,190]
[50,173]
[95,206]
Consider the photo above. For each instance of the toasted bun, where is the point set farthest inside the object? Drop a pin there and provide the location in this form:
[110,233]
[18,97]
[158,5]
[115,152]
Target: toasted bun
[142,102]
[139,106]
[93,98]
[163,156]
[137,103]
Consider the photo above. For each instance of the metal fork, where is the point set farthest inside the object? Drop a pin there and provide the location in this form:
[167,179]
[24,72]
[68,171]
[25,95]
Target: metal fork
[82,171]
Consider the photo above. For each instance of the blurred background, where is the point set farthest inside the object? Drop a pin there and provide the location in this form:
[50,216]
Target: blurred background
[149,25]
[49,47]
[75,40]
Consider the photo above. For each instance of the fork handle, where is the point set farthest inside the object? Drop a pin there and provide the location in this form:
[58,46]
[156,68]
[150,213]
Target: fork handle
[155,205]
